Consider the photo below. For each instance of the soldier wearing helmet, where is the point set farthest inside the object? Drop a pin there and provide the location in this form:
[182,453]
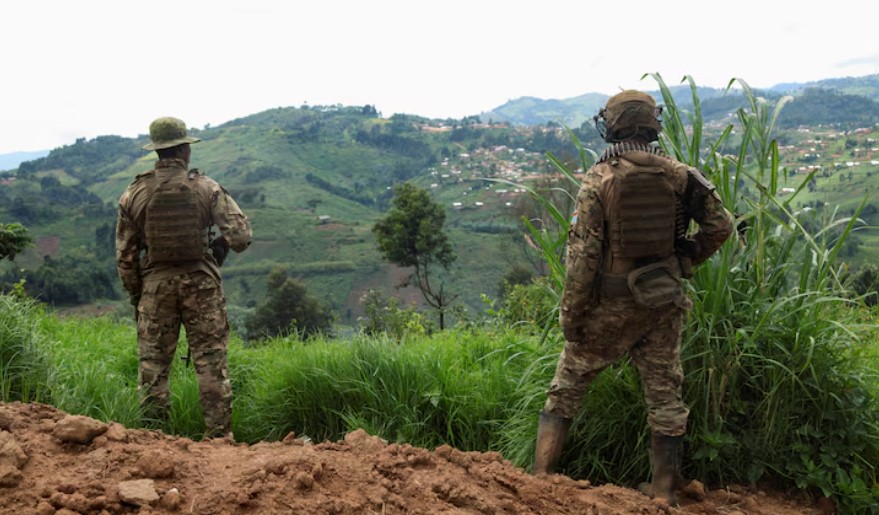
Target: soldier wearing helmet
[628,249]
[169,263]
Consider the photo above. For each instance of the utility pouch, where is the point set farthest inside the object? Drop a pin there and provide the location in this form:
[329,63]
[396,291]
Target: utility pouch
[657,284]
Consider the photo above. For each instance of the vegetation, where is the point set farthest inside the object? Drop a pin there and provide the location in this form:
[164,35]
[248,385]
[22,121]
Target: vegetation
[827,107]
[288,309]
[779,352]
[412,235]
[14,238]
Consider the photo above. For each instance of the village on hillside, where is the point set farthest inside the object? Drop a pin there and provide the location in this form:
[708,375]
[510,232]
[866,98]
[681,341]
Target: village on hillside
[493,178]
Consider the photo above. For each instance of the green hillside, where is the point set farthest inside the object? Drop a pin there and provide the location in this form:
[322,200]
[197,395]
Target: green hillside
[313,181]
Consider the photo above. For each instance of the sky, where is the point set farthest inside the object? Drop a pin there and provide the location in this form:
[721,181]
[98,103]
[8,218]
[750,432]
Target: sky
[85,68]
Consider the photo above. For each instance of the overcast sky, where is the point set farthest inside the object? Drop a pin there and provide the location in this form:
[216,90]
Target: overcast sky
[86,68]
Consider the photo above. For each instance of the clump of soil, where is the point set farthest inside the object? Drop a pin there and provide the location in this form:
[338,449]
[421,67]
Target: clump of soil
[51,462]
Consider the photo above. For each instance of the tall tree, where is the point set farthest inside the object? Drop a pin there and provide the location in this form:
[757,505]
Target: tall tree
[411,235]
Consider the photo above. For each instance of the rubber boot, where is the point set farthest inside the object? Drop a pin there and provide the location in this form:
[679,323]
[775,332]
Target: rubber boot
[667,454]
[551,433]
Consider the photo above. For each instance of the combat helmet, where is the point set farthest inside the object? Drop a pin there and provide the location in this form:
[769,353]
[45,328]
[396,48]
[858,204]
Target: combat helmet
[167,132]
[627,114]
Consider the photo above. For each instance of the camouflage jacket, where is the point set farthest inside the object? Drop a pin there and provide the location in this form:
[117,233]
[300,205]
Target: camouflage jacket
[587,249]
[132,257]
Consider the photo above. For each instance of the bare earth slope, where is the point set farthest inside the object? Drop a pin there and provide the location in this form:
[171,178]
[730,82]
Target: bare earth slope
[51,462]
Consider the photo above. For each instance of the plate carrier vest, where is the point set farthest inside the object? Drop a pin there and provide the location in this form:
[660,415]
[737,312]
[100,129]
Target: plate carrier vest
[642,211]
[173,227]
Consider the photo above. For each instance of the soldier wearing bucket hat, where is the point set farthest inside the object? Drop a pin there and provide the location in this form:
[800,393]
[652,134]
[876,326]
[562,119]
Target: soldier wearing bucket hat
[169,262]
[628,249]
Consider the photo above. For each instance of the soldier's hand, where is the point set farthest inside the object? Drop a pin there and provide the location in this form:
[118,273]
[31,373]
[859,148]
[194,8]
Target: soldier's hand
[685,247]
[220,249]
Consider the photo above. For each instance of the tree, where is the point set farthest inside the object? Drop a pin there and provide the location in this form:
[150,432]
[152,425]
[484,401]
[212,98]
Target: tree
[288,307]
[411,235]
[14,238]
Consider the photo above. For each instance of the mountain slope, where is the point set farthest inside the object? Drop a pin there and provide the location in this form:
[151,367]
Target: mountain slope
[716,103]
[313,181]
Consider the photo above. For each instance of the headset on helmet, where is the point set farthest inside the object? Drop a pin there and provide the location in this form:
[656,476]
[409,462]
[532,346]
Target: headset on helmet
[628,114]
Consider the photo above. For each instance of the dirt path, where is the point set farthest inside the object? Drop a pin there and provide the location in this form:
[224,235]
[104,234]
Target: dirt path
[54,463]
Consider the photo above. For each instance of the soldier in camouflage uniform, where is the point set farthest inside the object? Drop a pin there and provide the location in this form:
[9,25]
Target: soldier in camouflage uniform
[169,265]
[628,249]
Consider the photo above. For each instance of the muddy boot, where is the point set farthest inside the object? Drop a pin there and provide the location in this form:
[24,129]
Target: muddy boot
[551,433]
[667,454]
[155,415]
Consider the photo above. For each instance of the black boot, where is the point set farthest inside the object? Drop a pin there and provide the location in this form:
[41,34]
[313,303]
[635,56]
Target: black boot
[667,455]
[551,433]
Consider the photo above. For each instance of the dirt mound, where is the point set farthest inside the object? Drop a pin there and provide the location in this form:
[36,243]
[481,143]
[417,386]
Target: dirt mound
[51,462]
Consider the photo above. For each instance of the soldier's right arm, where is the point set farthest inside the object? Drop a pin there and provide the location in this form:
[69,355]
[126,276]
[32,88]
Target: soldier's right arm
[706,208]
[127,250]
[584,255]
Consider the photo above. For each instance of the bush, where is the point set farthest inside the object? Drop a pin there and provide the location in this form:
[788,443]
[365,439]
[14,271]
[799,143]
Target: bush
[288,309]
[384,316]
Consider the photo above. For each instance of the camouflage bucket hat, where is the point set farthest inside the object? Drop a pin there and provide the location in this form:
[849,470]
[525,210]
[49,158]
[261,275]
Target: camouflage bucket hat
[167,132]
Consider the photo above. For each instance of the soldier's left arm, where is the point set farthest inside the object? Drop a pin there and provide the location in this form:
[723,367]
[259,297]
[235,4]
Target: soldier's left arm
[230,220]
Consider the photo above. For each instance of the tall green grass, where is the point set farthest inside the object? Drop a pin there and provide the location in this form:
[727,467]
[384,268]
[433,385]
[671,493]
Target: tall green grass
[23,359]
[451,388]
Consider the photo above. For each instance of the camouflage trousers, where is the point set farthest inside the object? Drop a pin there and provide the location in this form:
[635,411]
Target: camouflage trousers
[196,300]
[652,339]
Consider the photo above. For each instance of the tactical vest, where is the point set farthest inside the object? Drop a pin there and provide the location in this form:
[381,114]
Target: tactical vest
[641,209]
[173,227]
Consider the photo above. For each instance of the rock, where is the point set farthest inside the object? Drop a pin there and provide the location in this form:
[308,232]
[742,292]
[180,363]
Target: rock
[171,500]
[9,476]
[694,490]
[78,429]
[116,433]
[139,492]
[361,440]
[10,453]
[156,465]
